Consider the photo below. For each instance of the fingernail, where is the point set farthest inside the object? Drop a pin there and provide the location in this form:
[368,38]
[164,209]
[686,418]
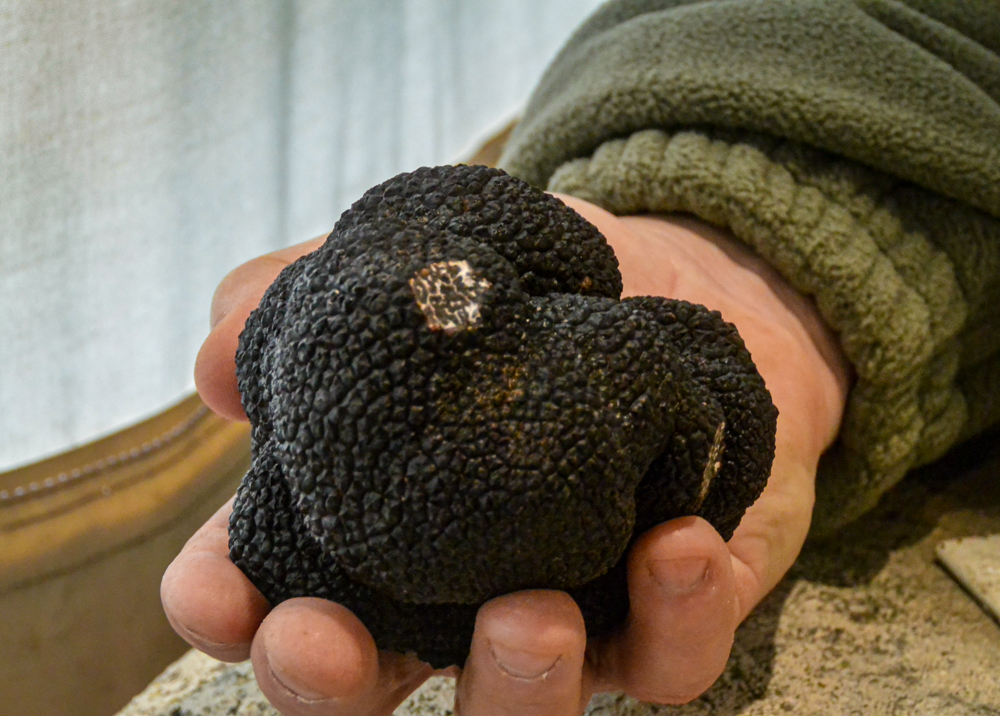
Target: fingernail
[197,636]
[523,664]
[679,576]
[293,687]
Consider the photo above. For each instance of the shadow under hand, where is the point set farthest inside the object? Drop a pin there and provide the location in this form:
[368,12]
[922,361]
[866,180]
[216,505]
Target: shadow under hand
[967,479]
[958,495]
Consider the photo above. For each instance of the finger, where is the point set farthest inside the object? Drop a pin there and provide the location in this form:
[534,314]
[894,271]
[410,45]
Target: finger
[772,531]
[527,657]
[311,657]
[247,282]
[206,597]
[238,294]
[682,618]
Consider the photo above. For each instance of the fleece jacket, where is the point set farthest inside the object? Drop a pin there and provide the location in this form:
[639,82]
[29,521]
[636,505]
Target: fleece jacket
[854,144]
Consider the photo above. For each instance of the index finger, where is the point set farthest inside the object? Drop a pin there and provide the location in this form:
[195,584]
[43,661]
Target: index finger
[238,294]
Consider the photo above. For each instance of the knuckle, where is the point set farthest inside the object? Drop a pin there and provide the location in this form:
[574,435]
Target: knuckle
[679,680]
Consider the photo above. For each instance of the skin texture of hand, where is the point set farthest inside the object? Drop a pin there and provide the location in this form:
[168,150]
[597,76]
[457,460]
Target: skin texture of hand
[689,590]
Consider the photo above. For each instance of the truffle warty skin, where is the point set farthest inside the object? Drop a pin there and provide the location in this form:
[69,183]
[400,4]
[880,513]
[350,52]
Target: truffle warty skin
[449,402]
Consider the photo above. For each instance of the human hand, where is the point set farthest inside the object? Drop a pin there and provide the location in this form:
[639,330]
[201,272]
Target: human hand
[689,590]
[310,656]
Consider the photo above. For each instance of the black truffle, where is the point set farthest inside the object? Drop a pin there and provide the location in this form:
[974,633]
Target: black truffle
[449,402]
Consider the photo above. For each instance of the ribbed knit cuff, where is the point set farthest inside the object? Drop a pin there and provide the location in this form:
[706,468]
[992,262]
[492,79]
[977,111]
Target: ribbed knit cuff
[838,232]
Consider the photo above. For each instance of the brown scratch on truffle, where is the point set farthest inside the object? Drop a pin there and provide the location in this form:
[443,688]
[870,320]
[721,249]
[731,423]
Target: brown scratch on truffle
[712,465]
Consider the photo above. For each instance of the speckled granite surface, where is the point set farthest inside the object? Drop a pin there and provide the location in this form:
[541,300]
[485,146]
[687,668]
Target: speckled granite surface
[867,623]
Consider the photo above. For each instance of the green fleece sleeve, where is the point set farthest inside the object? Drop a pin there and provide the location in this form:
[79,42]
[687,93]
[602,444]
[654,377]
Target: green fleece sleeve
[854,145]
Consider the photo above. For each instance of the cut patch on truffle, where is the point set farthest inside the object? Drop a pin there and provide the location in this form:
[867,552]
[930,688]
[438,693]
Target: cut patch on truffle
[448,294]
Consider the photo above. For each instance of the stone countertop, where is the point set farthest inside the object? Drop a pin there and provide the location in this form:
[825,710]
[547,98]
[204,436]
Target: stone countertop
[865,623]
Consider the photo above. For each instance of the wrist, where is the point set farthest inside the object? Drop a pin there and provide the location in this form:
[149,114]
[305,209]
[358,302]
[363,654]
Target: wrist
[796,352]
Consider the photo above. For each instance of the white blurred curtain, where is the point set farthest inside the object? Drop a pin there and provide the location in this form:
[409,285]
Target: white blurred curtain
[149,146]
